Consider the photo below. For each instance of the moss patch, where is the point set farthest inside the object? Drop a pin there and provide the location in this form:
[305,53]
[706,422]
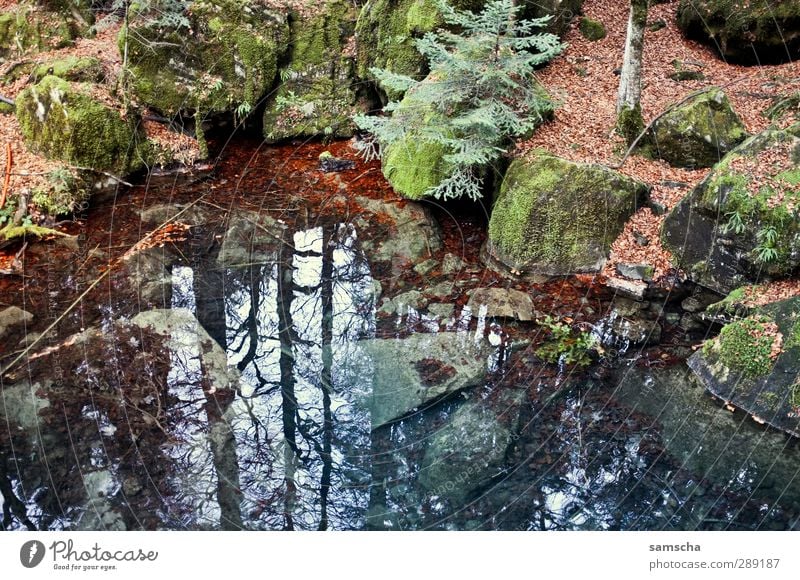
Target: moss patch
[748,345]
[71,68]
[592,29]
[317,95]
[414,166]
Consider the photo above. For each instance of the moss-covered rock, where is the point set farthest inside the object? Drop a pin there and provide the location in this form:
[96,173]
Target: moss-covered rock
[222,57]
[592,29]
[318,92]
[70,68]
[555,217]
[751,32]
[61,120]
[740,224]
[698,133]
[754,364]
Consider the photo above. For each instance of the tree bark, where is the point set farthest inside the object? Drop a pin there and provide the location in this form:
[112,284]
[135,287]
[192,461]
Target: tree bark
[629,111]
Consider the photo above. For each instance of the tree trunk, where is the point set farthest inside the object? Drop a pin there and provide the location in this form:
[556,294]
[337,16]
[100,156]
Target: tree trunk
[629,110]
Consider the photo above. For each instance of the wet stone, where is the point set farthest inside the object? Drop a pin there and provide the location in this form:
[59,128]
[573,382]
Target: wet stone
[502,303]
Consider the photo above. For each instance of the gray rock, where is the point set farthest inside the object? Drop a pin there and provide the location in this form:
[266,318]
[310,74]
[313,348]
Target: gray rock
[401,302]
[13,316]
[502,303]
[452,264]
[442,310]
[442,289]
[465,454]
[634,289]
[636,271]
[626,307]
[412,372]
[619,332]
[162,212]
[714,232]
[426,267]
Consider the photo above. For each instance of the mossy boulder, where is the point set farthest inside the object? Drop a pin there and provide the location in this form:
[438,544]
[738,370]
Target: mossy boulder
[32,27]
[592,29]
[62,120]
[318,93]
[740,224]
[221,56]
[754,32]
[71,68]
[699,132]
[556,217]
[754,364]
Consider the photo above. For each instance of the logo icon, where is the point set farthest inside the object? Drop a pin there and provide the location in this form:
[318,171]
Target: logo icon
[31,553]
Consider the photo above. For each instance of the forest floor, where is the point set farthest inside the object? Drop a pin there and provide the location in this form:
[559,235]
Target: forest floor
[584,84]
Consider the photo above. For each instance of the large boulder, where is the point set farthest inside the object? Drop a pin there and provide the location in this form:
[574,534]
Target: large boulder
[556,217]
[219,57]
[318,93]
[740,224]
[752,32]
[700,132]
[754,364]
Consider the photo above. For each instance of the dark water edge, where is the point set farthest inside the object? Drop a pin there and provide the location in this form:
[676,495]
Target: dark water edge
[248,374]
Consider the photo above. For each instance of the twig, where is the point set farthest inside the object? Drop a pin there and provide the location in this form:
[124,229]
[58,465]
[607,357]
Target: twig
[13,65]
[7,101]
[109,175]
[370,170]
[7,180]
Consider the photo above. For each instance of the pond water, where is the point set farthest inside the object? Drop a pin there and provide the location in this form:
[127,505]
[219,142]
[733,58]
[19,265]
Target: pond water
[273,369]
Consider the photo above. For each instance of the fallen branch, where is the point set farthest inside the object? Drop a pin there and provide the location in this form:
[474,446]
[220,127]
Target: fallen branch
[7,101]
[109,175]
[7,180]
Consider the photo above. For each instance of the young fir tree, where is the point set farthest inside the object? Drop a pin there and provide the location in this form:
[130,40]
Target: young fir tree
[480,94]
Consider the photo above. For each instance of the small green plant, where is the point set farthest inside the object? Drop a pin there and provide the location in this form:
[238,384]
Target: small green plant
[243,110]
[735,223]
[794,395]
[565,344]
[766,251]
[288,101]
[749,345]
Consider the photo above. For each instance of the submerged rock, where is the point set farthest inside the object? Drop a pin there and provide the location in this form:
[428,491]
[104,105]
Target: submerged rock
[471,448]
[740,223]
[556,217]
[250,238]
[754,364]
[699,132]
[412,373]
[412,236]
[749,32]
[502,303]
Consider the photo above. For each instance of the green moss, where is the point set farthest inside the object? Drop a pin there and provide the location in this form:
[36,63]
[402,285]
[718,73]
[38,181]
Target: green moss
[229,59]
[71,68]
[731,303]
[15,232]
[317,95]
[413,166]
[61,121]
[630,123]
[745,346]
[592,29]
[30,28]
[6,109]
